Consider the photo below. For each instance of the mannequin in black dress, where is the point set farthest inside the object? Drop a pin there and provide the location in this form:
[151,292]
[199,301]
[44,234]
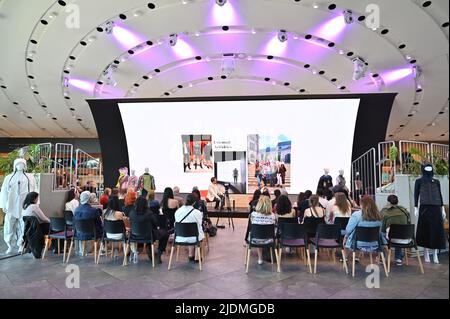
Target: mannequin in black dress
[325,184]
[431,213]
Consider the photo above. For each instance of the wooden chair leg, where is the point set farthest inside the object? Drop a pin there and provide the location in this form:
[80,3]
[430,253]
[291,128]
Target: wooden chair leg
[271,255]
[353,265]
[420,262]
[245,255]
[344,261]
[124,248]
[406,257]
[83,247]
[304,256]
[65,248]
[95,251]
[153,255]
[371,259]
[277,258]
[308,258]
[199,252]
[47,243]
[170,258]
[334,255]
[384,264]
[59,246]
[125,259]
[389,259]
[178,252]
[70,250]
[248,258]
[315,260]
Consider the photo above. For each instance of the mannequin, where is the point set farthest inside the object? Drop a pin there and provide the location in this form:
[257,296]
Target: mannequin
[146,183]
[431,213]
[340,180]
[197,154]
[122,181]
[15,188]
[326,183]
[186,156]
[133,180]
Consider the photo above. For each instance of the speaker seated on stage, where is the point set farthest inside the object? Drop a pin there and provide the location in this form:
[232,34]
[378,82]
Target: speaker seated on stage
[215,194]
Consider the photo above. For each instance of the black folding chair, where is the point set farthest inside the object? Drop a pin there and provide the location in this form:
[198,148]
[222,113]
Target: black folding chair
[141,233]
[266,235]
[115,227]
[86,226]
[368,235]
[68,216]
[328,236]
[293,235]
[403,232]
[58,231]
[186,230]
[342,222]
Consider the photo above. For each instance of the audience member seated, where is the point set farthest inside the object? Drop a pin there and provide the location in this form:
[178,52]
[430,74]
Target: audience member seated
[176,195]
[277,194]
[304,204]
[262,216]
[341,208]
[129,200]
[392,214]
[86,211]
[105,196]
[36,224]
[93,200]
[141,214]
[283,208]
[367,216]
[314,210]
[254,201]
[113,213]
[264,189]
[200,204]
[161,227]
[188,214]
[322,199]
[115,192]
[215,194]
[72,200]
[169,205]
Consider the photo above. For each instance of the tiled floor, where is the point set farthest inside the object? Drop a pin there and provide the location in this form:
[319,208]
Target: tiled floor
[223,276]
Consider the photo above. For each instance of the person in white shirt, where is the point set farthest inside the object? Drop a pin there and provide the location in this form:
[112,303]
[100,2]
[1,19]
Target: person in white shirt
[31,208]
[215,194]
[72,200]
[323,199]
[188,214]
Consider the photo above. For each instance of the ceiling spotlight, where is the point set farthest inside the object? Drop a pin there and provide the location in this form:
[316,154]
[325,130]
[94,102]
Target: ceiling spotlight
[315,6]
[108,75]
[417,71]
[109,27]
[341,52]
[348,16]
[173,39]
[359,68]
[282,36]
[228,64]
[66,82]
[221,2]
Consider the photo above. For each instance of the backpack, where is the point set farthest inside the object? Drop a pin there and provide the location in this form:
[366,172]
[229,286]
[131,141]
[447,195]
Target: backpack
[209,228]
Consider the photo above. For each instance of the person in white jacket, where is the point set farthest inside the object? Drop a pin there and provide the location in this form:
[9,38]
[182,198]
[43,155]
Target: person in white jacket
[215,194]
[15,188]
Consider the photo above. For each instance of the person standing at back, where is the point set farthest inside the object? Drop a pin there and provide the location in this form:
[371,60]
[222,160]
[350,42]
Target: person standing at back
[188,214]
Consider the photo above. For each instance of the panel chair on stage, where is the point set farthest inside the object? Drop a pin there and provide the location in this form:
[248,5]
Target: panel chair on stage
[186,230]
[404,233]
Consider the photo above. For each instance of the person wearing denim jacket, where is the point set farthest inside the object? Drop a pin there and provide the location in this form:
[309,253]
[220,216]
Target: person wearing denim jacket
[368,216]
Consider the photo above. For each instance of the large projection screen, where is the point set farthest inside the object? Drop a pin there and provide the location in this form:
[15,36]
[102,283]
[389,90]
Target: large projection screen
[309,135]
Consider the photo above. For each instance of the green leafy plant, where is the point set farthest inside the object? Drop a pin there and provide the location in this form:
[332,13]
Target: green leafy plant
[440,164]
[393,153]
[30,153]
[413,162]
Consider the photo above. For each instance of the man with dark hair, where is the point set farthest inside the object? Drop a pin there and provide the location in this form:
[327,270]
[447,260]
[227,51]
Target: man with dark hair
[277,194]
[215,194]
[395,214]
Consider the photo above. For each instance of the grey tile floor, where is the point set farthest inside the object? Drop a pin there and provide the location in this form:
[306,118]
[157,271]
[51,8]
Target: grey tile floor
[223,277]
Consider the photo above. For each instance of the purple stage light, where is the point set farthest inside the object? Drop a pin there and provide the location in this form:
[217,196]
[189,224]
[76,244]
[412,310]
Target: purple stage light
[182,49]
[395,75]
[275,47]
[331,29]
[223,15]
[83,85]
[126,38]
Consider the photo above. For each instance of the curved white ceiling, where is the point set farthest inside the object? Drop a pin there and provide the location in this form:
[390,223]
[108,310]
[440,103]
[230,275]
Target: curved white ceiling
[43,50]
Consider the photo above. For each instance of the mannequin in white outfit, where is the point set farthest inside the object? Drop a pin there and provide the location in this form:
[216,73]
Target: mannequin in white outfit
[15,188]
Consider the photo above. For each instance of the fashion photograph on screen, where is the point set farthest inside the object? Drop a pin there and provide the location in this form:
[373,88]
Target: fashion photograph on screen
[197,153]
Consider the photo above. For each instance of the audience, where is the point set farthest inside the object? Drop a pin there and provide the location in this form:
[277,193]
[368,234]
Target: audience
[31,208]
[129,200]
[304,204]
[314,210]
[72,200]
[176,195]
[393,213]
[188,214]
[199,203]
[283,207]
[161,227]
[254,201]
[105,196]
[113,213]
[367,216]
[141,214]
[340,208]
[169,205]
[322,199]
[85,211]
[277,194]
[93,200]
[262,216]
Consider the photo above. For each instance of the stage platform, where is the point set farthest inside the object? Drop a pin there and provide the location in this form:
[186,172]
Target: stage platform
[236,213]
